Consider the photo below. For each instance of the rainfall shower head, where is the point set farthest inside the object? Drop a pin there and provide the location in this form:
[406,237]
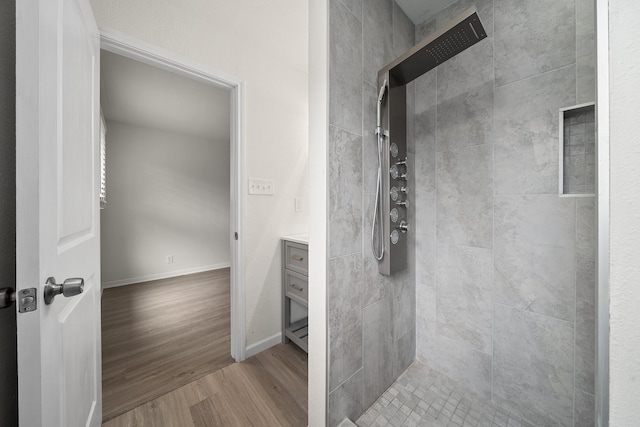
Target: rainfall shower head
[460,34]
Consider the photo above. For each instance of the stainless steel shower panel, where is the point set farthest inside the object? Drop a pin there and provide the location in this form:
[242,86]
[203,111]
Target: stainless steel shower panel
[394,117]
[462,33]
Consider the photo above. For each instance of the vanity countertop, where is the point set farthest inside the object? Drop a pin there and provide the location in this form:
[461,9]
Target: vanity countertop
[297,238]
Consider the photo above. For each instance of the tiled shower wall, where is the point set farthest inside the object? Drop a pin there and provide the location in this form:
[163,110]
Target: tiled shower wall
[371,317]
[505,275]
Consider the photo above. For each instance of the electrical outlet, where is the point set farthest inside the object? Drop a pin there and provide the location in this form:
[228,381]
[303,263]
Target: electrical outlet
[298,204]
[169,259]
[264,187]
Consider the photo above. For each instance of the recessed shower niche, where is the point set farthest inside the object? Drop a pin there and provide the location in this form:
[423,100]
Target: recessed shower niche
[577,145]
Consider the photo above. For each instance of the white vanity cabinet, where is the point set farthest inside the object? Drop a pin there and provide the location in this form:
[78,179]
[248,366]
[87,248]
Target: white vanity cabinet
[295,273]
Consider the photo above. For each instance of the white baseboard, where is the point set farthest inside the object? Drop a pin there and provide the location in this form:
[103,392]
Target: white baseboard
[175,273]
[261,346]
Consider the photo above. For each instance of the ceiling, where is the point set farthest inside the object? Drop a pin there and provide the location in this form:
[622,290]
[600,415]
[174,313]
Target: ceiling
[420,10]
[138,94]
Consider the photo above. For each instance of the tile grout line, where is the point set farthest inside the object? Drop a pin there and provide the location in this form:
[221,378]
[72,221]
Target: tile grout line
[493,249]
[575,314]
[363,206]
[575,263]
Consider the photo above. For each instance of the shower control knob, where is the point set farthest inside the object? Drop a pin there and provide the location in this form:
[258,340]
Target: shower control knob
[394,215]
[403,203]
[394,193]
[393,171]
[394,149]
[402,162]
[404,190]
[404,227]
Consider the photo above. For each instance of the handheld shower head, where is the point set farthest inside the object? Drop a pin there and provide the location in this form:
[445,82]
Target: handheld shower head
[383,89]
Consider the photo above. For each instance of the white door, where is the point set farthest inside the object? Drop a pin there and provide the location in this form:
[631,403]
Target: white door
[58,222]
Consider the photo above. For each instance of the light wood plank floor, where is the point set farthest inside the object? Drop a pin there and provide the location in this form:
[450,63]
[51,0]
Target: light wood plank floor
[269,389]
[160,335]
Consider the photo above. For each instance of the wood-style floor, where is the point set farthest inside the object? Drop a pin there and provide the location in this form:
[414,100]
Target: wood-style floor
[160,335]
[269,389]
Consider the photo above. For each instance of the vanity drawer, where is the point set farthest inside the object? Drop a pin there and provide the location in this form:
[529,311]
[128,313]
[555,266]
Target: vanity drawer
[296,257]
[296,287]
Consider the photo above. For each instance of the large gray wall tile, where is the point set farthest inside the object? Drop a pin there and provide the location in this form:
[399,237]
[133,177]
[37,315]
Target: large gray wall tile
[526,132]
[426,95]
[405,352]
[586,50]
[465,196]
[464,303]
[532,37]
[377,30]
[424,190]
[411,118]
[424,29]
[463,74]
[535,254]
[466,120]
[484,7]
[345,318]
[403,31]
[354,6]
[345,68]
[376,285]
[465,98]
[346,400]
[404,302]
[470,367]
[533,366]
[586,228]
[378,351]
[345,192]
[425,290]
[584,411]
[425,193]
[585,325]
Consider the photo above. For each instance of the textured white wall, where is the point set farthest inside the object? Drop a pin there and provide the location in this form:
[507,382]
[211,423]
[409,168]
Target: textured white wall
[265,44]
[624,66]
[167,194]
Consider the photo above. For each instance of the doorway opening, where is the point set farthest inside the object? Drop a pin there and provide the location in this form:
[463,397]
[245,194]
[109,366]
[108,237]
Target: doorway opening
[174,173]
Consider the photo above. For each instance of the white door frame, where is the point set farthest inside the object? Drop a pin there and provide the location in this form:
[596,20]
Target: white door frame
[602,224]
[122,44]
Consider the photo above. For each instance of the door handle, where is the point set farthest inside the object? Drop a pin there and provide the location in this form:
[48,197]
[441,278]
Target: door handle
[7,297]
[69,288]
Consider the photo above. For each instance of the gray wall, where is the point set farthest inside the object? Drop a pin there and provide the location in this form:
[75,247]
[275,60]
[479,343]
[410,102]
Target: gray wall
[8,369]
[167,194]
[505,267]
[371,317]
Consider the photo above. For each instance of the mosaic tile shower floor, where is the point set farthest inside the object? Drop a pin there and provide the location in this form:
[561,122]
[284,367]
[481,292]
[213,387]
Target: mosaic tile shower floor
[424,397]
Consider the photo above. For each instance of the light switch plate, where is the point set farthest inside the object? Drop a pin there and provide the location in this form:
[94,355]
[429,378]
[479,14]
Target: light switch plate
[264,187]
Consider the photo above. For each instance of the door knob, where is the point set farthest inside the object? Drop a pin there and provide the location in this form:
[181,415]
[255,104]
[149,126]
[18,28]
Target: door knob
[7,297]
[69,288]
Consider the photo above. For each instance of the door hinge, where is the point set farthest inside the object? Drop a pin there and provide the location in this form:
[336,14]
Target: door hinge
[235,234]
[27,300]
